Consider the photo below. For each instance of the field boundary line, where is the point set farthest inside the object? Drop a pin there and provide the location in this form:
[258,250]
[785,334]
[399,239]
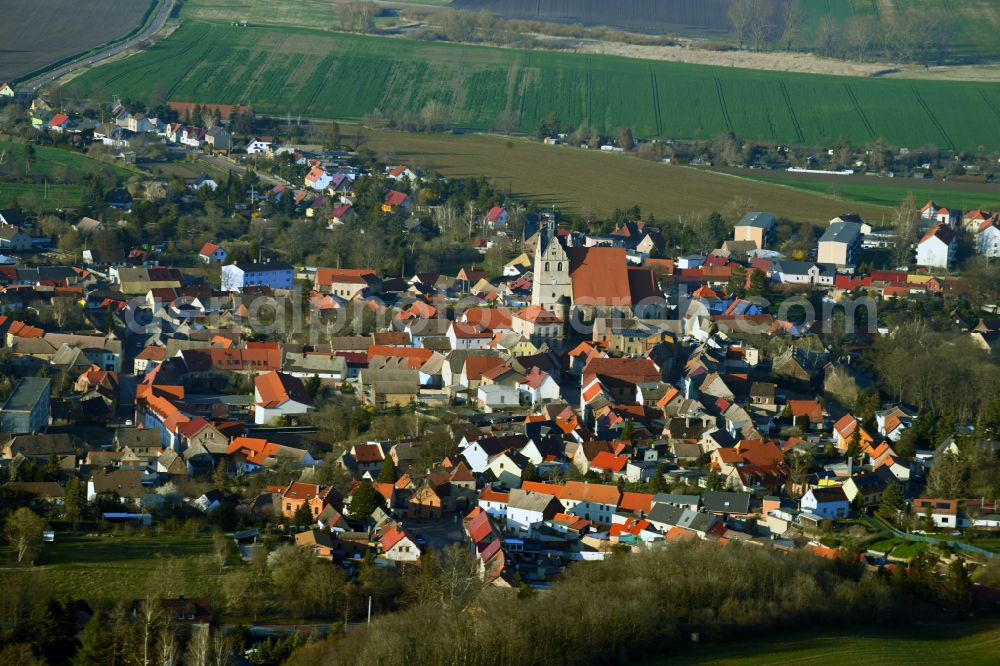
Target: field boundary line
[656,102]
[824,195]
[857,107]
[934,120]
[990,103]
[791,112]
[722,103]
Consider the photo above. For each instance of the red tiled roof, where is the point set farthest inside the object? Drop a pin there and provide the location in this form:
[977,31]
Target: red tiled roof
[208,249]
[600,276]
[538,315]
[942,232]
[276,388]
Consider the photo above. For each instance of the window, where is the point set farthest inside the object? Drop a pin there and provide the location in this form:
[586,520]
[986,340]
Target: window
[559,266]
[546,265]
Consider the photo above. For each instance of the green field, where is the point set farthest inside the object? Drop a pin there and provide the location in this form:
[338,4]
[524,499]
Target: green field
[58,166]
[317,73]
[591,182]
[109,568]
[885,191]
[968,643]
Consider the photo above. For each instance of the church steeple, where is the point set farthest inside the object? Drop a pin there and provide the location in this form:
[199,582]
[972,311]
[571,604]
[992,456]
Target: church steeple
[551,286]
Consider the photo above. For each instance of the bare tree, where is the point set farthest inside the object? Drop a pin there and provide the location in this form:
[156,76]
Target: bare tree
[24,532]
[167,649]
[222,648]
[760,23]
[150,615]
[791,22]
[199,650]
[906,225]
[740,15]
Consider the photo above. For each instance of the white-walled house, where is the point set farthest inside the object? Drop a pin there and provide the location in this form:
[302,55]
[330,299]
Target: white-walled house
[937,248]
[526,509]
[260,145]
[468,336]
[212,253]
[540,386]
[277,394]
[988,239]
[826,502]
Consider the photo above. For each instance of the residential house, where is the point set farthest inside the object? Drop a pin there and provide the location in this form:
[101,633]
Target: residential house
[830,502]
[944,512]
[395,200]
[347,284]
[273,274]
[869,487]
[840,244]
[26,410]
[318,543]
[496,217]
[526,509]
[261,145]
[537,324]
[757,228]
[12,239]
[468,336]
[291,497]
[278,395]
[937,247]
[212,253]
[398,544]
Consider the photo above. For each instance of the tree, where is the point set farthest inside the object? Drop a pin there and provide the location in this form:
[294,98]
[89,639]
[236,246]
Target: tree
[906,224]
[95,643]
[854,445]
[737,283]
[927,519]
[947,478]
[313,386]
[530,472]
[892,502]
[714,481]
[549,127]
[740,15]
[24,532]
[628,431]
[758,283]
[958,589]
[303,515]
[791,22]
[365,500]
[76,500]
[388,472]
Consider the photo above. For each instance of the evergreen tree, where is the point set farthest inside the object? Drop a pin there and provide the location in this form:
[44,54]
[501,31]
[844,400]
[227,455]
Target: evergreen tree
[530,473]
[628,430]
[958,587]
[303,515]
[892,502]
[314,386]
[854,445]
[365,500]
[388,472]
[736,287]
[758,283]
[714,481]
[76,500]
[95,643]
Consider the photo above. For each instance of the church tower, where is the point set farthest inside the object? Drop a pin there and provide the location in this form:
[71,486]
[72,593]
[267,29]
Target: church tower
[551,286]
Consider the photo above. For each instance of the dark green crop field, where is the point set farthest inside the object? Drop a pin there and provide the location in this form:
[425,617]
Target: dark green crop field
[317,73]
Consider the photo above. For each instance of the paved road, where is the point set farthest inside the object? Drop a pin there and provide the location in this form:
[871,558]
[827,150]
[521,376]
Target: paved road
[155,26]
[227,164]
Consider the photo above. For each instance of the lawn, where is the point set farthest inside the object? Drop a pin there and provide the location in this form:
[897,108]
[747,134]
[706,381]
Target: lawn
[314,72]
[109,568]
[886,191]
[967,643]
[584,182]
[57,165]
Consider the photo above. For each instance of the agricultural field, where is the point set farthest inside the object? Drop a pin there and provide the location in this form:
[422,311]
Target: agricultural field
[36,34]
[586,182]
[123,567]
[976,21]
[883,191]
[968,643]
[317,73]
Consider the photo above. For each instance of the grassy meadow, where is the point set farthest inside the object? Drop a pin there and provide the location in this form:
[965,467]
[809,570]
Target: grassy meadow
[885,191]
[64,170]
[120,567]
[974,643]
[585,182]
[314,72]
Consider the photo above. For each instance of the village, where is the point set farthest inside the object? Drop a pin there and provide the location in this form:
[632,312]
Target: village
[595,392]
